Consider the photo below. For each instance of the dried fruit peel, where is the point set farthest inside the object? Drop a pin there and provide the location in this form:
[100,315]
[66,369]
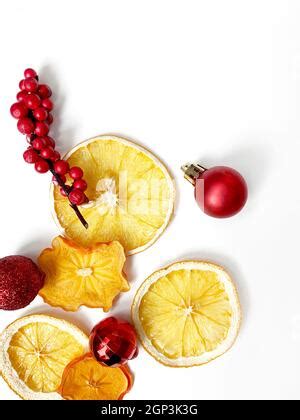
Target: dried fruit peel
[131,195]
[86,379]
[34,352]
[187,314]
[78,276]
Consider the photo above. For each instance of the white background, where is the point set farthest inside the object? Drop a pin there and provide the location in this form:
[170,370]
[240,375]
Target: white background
[211,81]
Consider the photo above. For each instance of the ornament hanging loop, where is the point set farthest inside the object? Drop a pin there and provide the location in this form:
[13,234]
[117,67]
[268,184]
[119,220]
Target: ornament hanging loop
[192,171]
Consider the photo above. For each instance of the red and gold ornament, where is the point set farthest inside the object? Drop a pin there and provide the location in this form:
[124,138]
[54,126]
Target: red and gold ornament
[220,191]
[113,342]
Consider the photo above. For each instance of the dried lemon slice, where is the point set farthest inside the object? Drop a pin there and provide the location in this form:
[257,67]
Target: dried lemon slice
[87,379]
[78,276]
[34,352]
[131,195]
[187,314]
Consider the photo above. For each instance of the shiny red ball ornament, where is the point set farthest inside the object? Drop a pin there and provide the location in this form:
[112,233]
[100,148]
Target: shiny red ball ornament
[113,342]
[220,191]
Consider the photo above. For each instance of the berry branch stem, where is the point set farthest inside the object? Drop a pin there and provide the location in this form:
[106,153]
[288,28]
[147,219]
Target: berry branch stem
[66,191]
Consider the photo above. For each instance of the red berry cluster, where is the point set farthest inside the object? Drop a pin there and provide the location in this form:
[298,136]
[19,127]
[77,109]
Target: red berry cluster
[33,112]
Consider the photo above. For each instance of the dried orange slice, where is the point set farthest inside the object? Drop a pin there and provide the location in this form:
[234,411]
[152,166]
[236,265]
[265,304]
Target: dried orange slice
[187,314]
[87,379]
[131,195]
[78,276]
[34,350]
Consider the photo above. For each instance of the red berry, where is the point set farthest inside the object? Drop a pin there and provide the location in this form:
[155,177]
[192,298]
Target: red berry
[21,96]
[80,184]
[25,126]
[47,153]
[44,91]
[30,84]
[40,113]
[32,101]
[76,172]
[41,166]
[62,177]
[28,73]
[113,342]
[39,143]
[49,119]
[47,104]
[77,197]
[49,141]
[30,155]
[61,167]
[21,85]
[41,128]
[18,110]
[56,156]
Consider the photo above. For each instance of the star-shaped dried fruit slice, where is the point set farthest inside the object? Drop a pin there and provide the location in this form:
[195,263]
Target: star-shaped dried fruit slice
[78,276]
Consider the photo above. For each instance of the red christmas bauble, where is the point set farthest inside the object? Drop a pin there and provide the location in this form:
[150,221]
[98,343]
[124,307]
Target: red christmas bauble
[20,282]
[113,342]
[221,191]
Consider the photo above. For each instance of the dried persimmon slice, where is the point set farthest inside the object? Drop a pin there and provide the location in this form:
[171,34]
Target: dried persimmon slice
[78,276]
[86,379]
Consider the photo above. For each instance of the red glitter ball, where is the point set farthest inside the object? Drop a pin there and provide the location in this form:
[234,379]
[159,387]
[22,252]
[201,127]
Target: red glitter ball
[113,342]
[20,282]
